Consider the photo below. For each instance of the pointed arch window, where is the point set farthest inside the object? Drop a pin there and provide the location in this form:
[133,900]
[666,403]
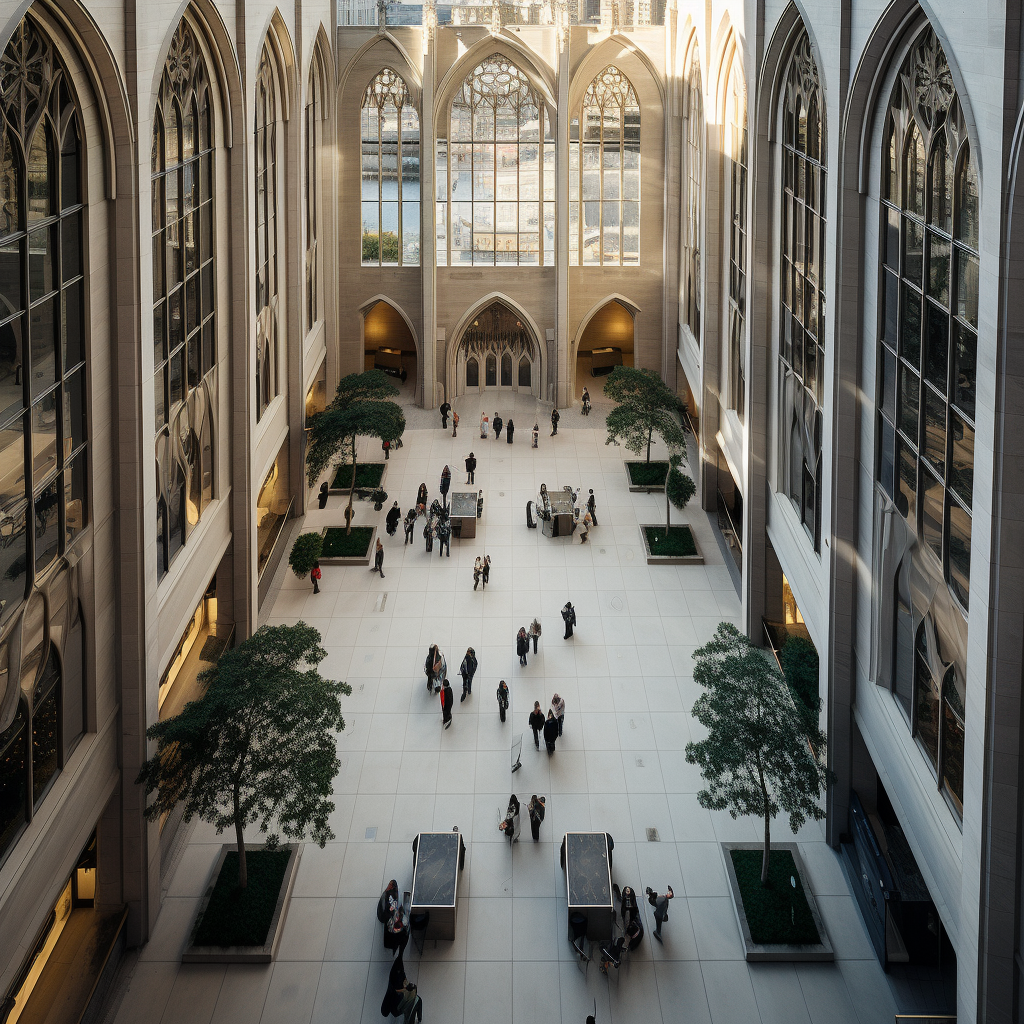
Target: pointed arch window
[184,290]
[314,127]
[735,163]
[802,287]
[693,219]
[496,172]
[928,338]
[390,132]
[604,174]
[42,326]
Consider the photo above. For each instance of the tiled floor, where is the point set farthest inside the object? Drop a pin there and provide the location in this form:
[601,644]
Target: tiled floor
[626,677]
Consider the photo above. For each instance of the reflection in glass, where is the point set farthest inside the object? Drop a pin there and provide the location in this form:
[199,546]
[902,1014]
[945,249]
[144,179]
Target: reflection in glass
[13,779]
[46,727]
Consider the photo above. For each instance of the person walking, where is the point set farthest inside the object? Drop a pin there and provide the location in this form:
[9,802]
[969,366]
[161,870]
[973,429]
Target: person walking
[396,929]
[324,489]
[535,808]
[444,410]
[478,569]
[444,535]
[509,431]
[396,984]
[522,645]
[447,699]
[498,423]
[388,901]
[536,434]
[592,506]
[509,825]
[554,422]
[467,670]
[487,570]
[410,525]
[550,732]
[660,904]
[471,469]
[315,575]
[446,483]
[534,633]
[536,723]
[502,699]
[378,559]
[484,424]
[455,423]
[386,448]
[558,707]
[410,1005]
[393,518]
[421,498]
[586,402]
[569,618]
[428,534]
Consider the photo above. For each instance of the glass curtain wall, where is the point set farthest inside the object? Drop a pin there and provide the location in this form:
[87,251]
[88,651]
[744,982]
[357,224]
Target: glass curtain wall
[184,286]
[604,175]
[496,172]
[802,289]
[693,222]
[736,187]
[314,114]
[390,133]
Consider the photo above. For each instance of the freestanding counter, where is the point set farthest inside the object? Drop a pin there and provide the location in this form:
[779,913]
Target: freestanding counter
[562,521]
[435,881]
[463,513]
[588,880]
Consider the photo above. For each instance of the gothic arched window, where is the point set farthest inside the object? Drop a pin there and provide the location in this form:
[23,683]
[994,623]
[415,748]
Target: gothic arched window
[693,220]
[735,163]
[927,349]
[496,172]
[604,174]
[184,286]
[390,132]
[42,326]
[314,117]
[802,286]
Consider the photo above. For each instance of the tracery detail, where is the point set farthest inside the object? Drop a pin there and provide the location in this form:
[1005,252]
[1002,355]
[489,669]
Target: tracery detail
[693,215]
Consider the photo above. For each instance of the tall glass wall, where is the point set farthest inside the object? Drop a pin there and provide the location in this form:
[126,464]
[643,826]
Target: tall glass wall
[693,216]
[736,185]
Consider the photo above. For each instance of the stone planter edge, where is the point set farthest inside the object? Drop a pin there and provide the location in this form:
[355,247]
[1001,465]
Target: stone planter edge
[264,954]
[642,488]
[362,493]
[697,559]
[348,559]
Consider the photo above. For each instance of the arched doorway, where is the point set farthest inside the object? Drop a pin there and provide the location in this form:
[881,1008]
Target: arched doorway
[606,342]
[497,351]
[388,343]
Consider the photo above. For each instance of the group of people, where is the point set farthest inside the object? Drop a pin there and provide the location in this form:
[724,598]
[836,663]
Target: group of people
[509,825]
[401,998]
[550,727]
[523,638]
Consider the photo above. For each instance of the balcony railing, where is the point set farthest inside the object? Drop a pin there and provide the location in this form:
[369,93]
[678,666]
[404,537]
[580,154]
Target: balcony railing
[733,536]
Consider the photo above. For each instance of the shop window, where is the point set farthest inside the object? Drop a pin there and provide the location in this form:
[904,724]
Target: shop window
[272,507]
[13,779]
[46,727]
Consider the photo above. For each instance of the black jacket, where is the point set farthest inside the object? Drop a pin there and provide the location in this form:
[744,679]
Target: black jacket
[503,697]
[394,514]
[468,668]
[537,720]
[551,730]
[522,645]
[471,465]
[446,482]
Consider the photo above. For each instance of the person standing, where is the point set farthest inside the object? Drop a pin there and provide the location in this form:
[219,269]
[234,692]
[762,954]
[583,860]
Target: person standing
[478,568]
[467,670]
[550,732]
[444,410]
[392,519]
[444,535]
[510,824]
[592,506]
[447,700]
[522,645]
[660,904]
[558,707]
[586,402]
[536,723]
[315,575]
[509,431]
[534,633]
[410,525]
[471,469]
[569,618]
[487,570]
[324,489]
[386,447]
[378,559]
[535,808]
[502,699]
[484,424]
[498,423]
[421,498]
[536,434]
[455,423]
[554,422]
[428,534]
[446,483]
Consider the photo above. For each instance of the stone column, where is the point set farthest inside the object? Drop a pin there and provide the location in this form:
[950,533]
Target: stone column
[428,233]
[560,349]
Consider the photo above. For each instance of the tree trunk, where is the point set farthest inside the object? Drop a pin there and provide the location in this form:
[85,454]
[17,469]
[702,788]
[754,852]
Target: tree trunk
[650,436]
[243,873]
[668,506]
[767,847]
[351,492]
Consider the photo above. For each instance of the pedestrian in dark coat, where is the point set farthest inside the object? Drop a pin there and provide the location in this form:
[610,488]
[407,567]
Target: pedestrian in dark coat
[386,447]
[444,535]
[428,535]
[392,519]
[498,423]
[509,431]
[487,570]
[551,732]
[558,707]
[534,633]
[467,670]
[378,559]
[446,483]
[569,618]
[503,699]
[410,525]
[444,410]
[592,506]
[536,434]
[536,723]
[471,469]
[421,498]
[522,645]
[554,422]
[396,930]
[387,902]
[536,811]
[447,700]
[660,904]
[324,488]
[396,983]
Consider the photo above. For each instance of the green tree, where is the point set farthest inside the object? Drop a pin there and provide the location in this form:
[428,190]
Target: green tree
[361,406]
[305,553]
[799,659]
[646,406]
[679,489]
[372,247]
[258,746]
[755,759]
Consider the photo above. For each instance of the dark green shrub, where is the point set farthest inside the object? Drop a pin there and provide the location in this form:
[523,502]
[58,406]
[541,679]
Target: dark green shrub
[799,660]
[305,553]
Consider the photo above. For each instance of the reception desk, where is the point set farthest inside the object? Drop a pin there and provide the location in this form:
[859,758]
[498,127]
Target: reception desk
[588,880]
[463,514]
[435,881]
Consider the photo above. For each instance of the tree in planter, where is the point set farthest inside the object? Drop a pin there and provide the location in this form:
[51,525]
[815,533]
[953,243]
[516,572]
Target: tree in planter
[799,659]
[679,489]
[258,746]
[755,759]
[306,553]
[646,406]
[361,406]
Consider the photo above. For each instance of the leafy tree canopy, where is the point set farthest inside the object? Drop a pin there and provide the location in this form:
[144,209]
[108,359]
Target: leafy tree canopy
[258,747]
[679,488]
[755,759]
[305,553]
[646,407]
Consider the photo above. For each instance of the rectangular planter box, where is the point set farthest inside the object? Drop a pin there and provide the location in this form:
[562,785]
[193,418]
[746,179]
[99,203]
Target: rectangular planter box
[697,559]
[362,493]
[777,952]
[642,488]
[350,559]
[245,954]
